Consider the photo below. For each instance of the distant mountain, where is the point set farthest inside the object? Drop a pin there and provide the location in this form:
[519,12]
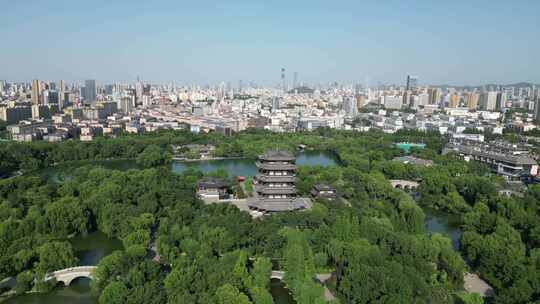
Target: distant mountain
[516,85]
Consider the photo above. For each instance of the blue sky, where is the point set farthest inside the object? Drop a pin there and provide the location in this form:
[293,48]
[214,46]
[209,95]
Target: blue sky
[454,42]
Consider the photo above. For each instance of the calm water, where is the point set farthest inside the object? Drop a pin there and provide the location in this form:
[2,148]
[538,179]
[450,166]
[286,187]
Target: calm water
[79,292]
[280,293]
[90,249]
[448,225]
[235,167]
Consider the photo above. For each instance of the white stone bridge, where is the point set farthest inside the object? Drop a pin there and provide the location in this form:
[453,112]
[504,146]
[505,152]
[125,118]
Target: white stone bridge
[67,275]
[404,184]
[277,275]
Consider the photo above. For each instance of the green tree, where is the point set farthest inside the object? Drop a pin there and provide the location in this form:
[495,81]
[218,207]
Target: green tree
[469,298]
[24,282]
[55,256]
[153,156]
[228,294]
[115,293]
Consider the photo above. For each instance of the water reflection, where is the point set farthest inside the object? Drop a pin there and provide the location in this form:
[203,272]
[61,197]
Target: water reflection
[92,247]
[79,292]
[280,293]
[234,167]
[446,224]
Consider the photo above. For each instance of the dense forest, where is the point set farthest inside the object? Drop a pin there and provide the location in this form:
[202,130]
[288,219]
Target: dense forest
[374,242]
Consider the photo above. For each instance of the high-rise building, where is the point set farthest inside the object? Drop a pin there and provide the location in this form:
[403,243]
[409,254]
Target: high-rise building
[36,92]
[454,101]
[139,87]
[392,102]
[537,111]
[423,100]
[275,104]
[127,104]
[488,101]
[360,101]
[434,95]
[471,99]
[501,101]
[284,86]
[350,107]
[61,94]
[412,82]
[407,99]
[90,92]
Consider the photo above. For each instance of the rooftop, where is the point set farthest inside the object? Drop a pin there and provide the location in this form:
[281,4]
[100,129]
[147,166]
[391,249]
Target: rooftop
[277,156]
[504,157]
[323,187]
[276,166]
[211,182]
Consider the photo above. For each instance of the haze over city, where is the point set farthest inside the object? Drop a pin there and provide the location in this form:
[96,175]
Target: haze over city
[205,42]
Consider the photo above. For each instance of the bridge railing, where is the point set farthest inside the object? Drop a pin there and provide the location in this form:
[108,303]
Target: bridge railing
[69,270]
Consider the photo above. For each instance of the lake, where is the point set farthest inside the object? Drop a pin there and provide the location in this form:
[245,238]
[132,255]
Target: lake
[235,167]
[445,224]
[91,248]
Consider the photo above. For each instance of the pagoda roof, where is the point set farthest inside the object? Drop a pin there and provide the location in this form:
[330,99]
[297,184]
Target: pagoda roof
[275,178]
[274,166]
[275,190]
[277,156]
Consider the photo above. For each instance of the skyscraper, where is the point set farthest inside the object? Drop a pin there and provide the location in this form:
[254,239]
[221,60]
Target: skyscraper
[537,110]
[350,106]
[295,80]
[275,104]
[488,101]
[501,101]
[283,79]
[90,92]
[412,82]
[471,100]
[36,91]
[61,94]
[434,96]
[454,101]
[139,88]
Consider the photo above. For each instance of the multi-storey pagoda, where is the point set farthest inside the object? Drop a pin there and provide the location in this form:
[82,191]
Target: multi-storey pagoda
[274,184]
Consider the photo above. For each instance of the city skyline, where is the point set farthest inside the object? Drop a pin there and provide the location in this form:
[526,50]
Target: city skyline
[213,42]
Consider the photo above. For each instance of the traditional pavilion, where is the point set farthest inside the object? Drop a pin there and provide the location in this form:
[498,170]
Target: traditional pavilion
[274,184]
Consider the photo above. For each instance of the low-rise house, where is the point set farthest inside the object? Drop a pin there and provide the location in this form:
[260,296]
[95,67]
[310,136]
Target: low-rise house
[324,191]
[213,190]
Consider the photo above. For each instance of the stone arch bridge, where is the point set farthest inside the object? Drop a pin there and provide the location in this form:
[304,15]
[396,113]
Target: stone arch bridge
[405,185]
[67,275]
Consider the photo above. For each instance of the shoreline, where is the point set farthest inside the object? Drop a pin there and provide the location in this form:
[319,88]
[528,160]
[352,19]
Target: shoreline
[187,160]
